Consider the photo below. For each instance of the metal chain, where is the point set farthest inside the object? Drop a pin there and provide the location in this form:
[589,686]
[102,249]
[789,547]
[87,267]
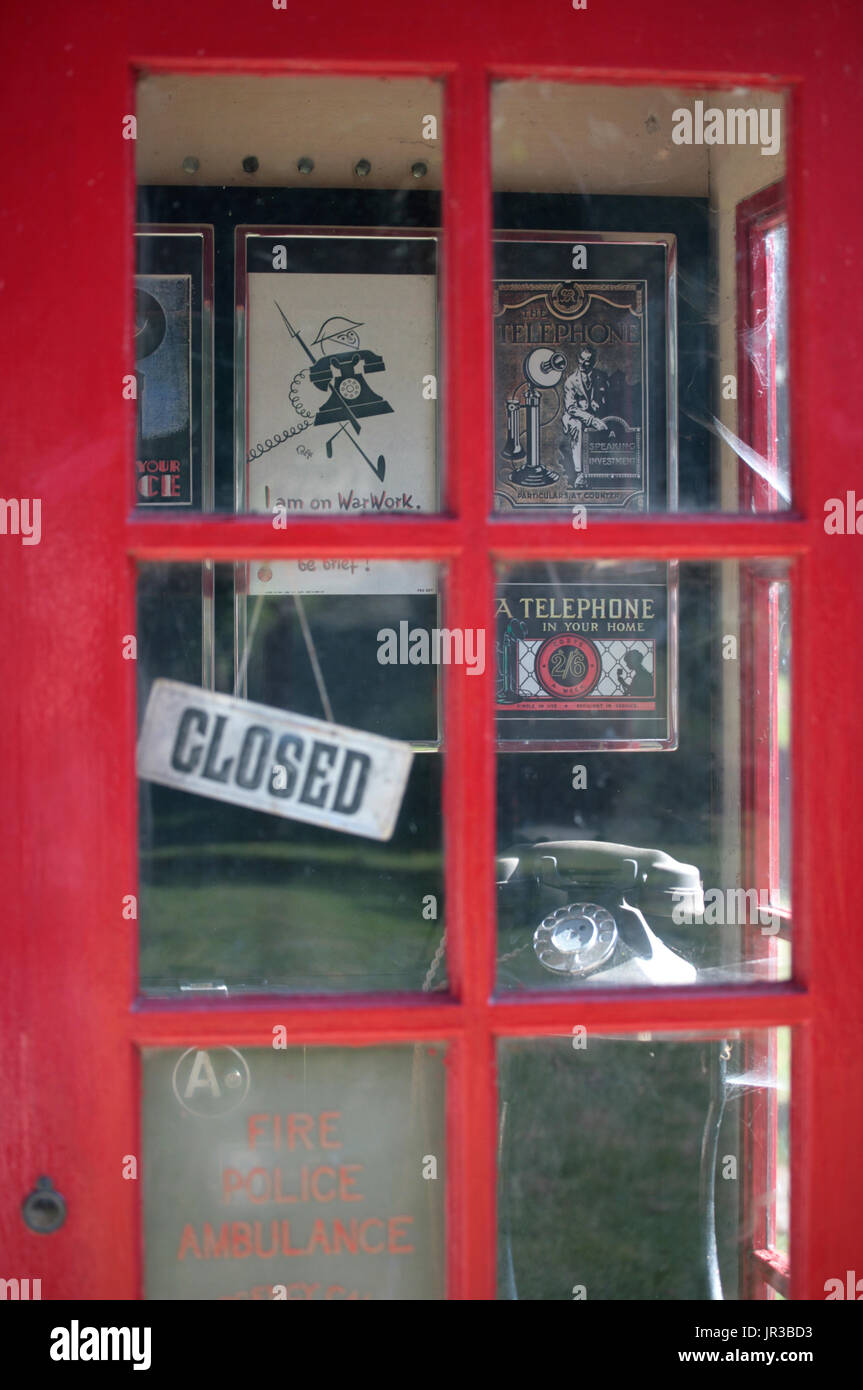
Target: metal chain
[517,952]
[436,960]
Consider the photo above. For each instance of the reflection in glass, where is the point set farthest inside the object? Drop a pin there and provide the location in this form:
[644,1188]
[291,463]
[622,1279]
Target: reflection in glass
[631,1167]
[777,332]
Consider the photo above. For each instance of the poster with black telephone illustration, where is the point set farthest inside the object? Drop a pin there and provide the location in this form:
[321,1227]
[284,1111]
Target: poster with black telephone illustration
[340,365]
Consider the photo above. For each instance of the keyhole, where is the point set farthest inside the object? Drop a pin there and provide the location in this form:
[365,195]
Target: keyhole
[44,1209]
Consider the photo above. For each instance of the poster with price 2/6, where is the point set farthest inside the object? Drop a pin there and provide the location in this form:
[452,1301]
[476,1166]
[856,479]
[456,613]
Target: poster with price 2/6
[588,660]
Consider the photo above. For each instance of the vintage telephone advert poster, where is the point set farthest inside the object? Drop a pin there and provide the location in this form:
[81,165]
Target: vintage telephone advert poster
[341,387]
[586,663]
[173,288]
[582,349]
[163,341]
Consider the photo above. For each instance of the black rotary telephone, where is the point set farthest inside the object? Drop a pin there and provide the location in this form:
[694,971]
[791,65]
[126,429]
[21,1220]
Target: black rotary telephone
[343,376]
[594,913]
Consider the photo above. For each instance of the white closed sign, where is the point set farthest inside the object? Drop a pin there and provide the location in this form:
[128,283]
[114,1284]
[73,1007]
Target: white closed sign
[269,760]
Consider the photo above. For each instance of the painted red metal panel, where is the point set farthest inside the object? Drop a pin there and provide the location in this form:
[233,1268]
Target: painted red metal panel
[671,537]
[772,1268]
[759,811]
[67,723]
[760,804]
[468,792]
[756,382]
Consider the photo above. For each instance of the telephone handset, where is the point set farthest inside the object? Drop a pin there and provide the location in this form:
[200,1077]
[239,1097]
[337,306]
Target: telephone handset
[589,906]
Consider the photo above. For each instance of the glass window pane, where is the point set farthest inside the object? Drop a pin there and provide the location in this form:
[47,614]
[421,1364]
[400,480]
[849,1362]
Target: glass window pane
[631,1166]
[237,898]
[291,1173]
[643,773]
[640,307]
[306,329]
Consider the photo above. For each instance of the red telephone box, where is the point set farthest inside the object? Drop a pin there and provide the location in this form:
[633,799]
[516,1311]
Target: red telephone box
[562,331]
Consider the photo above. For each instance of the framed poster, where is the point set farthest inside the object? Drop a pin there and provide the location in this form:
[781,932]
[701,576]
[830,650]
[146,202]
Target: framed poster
[584,371]
[587,657]
[173,366]
[337,367]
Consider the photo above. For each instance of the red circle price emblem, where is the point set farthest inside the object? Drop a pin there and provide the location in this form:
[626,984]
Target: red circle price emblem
[567,666]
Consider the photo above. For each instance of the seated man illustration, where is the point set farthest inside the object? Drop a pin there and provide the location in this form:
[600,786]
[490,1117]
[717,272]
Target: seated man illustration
[635,680]
[584,396]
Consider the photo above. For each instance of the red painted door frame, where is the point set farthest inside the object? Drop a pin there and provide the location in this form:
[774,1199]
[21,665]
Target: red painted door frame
[67,727]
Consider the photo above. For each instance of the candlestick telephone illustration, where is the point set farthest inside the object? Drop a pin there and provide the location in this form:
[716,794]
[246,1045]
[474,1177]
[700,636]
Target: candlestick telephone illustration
[585,401]
[543,371]
[340,374]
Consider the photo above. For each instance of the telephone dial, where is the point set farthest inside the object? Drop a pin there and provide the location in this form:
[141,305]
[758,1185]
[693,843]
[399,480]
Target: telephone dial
[593,911]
